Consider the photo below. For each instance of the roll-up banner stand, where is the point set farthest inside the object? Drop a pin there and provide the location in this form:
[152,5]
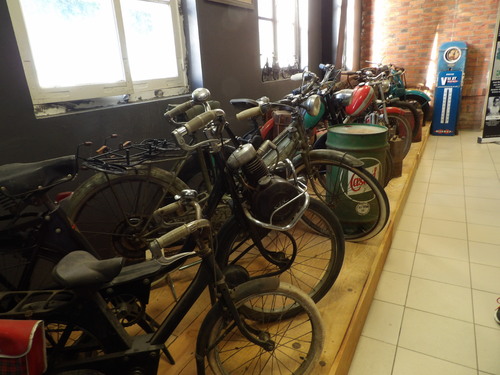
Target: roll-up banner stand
[491,111]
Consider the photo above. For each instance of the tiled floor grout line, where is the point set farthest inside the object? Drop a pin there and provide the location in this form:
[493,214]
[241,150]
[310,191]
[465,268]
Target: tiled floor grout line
[443,155]
[469,258]
[410,273]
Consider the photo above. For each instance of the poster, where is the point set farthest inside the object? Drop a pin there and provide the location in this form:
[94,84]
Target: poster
[491,113]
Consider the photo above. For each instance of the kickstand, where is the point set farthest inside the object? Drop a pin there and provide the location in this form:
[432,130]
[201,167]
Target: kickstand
[170,283]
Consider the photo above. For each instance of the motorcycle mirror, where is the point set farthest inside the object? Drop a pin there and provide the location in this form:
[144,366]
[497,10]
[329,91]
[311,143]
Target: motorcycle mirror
[312,105]
[200,95]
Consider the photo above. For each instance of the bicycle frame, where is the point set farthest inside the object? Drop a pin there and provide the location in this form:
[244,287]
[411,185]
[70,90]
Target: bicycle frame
[86,308]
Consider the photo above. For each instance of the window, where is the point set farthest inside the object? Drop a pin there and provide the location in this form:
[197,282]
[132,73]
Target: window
[84,49]
[283,37]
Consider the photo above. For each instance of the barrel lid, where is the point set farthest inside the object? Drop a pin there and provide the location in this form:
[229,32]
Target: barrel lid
[358,129]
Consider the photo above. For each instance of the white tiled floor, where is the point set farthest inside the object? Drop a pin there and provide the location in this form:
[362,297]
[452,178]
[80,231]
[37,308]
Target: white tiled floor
[434,305]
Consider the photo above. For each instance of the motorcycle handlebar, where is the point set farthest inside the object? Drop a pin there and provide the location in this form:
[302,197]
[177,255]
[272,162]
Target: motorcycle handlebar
[177,110]
[249,113]
[202,120]
[177,234]
[193,125]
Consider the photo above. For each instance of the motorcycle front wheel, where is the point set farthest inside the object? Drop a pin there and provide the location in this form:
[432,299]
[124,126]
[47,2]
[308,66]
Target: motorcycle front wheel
[400,126]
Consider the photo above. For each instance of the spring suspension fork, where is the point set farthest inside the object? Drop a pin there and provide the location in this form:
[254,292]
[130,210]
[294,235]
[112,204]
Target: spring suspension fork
[223,290]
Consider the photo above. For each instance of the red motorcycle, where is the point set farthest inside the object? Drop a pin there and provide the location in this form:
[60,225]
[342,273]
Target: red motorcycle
[366,103]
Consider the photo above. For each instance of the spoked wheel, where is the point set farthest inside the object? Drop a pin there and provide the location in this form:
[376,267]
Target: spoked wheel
[308,256]
[400,126]
[114,212]
[293,344]
[354,194]
[414,111]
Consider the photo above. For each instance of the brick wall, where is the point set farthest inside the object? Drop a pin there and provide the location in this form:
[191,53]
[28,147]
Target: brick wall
[409,33]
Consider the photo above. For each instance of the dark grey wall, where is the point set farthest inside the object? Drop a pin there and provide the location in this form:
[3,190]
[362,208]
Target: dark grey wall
[228,46]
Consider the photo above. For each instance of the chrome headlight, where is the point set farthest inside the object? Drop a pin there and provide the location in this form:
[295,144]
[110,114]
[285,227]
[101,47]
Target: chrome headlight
[312,105]
[385,85]
[343,96]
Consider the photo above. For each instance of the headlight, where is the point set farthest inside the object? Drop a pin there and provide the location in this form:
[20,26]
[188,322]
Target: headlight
[312,105]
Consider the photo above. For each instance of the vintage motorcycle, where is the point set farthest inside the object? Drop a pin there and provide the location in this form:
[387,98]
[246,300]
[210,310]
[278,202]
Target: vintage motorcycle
[363,215]
[397,89]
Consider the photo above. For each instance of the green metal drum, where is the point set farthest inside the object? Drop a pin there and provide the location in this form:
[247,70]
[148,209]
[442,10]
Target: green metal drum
[348,194]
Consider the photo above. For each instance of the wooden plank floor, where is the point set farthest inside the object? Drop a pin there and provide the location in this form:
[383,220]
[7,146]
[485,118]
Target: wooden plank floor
[344,308]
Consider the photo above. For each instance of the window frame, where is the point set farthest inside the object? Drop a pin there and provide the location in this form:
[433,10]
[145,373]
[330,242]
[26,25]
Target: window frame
[299,50]
[133,90]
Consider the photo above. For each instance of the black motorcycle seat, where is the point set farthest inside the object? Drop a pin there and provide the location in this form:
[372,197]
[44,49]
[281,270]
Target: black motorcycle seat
[244,103]
[81,269]
[21,178]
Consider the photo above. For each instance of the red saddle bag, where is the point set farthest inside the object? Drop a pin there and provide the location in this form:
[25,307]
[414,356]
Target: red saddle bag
[22,347]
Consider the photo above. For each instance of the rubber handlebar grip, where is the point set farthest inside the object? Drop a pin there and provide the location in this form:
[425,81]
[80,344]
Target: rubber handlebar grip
[200,121]
[249,113]
[177,110]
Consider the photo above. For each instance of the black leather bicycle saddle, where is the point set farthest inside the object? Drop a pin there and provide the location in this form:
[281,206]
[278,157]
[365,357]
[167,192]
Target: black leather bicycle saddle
[22,178]
[243,103]
[81,269]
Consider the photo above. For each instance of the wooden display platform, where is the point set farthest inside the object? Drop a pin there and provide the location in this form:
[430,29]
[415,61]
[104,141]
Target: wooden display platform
[344,308]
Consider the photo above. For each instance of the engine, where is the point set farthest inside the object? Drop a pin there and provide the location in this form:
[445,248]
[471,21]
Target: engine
[273,199]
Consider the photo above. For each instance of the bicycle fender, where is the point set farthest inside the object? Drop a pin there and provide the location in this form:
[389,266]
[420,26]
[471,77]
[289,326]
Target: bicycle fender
[266,284]
[421,94]
[327,153]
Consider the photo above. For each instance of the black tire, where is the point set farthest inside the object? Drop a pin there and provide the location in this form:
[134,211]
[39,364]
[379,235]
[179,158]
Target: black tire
[114,212]
[414,112]
[400,126]
[298,341]
[424,106]
[315,247]
[28,268]
[66,341]
[362,213]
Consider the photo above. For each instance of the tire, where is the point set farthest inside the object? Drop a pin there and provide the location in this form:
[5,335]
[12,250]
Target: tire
[114,212]
[298,341]
[28,268]
[414,112]
[69,342]
[362,213]
[315,248]
[424,105]
[400,126]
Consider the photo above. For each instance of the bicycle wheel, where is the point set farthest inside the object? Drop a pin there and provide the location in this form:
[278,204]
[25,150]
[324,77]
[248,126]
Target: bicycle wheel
[68,342]
[354,194]
[114,212]
[297,342]
[308,256]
